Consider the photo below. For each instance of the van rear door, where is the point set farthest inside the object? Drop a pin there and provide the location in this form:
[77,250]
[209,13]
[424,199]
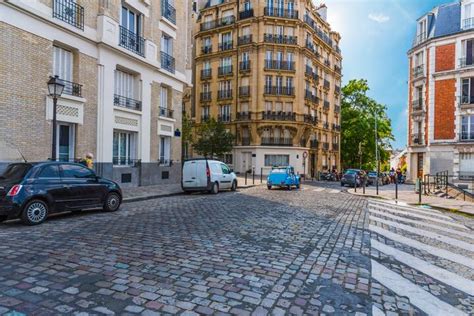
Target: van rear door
[201,173]
[189,174]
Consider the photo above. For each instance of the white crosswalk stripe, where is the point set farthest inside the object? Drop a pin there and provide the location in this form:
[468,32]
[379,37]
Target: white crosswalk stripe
[432,233]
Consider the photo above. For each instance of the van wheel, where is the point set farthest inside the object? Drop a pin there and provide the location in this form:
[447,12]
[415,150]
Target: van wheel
[112,202]
[269,186]
[234,186]
[34,213]
[214,188]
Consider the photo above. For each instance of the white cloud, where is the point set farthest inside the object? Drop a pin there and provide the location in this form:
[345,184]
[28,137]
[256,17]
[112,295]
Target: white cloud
[379,17]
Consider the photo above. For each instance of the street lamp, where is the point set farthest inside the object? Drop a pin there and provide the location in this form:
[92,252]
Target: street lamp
[377,154]
[55,89]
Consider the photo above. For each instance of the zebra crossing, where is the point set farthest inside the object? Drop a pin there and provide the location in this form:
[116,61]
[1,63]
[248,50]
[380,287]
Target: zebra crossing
[422,255]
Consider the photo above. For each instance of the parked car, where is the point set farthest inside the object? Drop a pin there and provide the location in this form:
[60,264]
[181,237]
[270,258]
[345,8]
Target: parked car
[328,176]
[207,175]
[385,178]
[372,178]
[32,191]
[283,176]
[352,177]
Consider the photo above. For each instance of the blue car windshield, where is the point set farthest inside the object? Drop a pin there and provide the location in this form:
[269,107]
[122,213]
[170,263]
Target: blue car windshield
[351,171]
[279,171]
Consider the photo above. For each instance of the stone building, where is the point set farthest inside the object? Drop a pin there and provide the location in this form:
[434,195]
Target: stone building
[441,93]
[123,64]
[271,71]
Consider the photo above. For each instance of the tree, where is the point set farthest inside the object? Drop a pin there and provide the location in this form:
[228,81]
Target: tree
[186,135]
[358,114]
[212,139]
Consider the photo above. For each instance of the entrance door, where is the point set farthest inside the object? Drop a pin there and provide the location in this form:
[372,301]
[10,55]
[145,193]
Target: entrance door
[246,161]
[420,165]
[312,159]
[65,141]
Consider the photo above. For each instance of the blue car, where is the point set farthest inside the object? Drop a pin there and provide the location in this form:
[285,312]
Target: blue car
[283,177]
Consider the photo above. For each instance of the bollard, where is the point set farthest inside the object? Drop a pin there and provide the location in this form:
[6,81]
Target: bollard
[253,176]
[363,188]
[355,185]
[396,190]
[261,175]
[419,192]
[245,177]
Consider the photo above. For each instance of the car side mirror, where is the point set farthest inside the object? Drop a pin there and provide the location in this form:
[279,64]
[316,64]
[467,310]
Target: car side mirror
[231,170]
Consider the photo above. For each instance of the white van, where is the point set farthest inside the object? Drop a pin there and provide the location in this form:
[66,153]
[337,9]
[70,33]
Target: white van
[207,175]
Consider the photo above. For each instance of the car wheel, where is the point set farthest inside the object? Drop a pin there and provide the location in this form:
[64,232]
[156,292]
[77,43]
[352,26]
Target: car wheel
[112,202]
[214,188]
[234,186]
[288,187]
[35,212]
[269,187]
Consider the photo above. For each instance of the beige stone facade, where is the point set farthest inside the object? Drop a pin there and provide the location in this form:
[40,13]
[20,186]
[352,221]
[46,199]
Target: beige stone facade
[123,64]
[273,76]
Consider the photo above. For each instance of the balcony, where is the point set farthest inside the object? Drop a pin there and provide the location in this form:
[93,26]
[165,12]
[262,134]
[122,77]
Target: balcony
[417,105]
[243,116]
[278,116]
[128,103]
[280,39]
[314,144]
[206,73]
[326,105]
[131,41]
[325,125]
[206,96]
[206,26]
[279,90]
[310,97]
[326,85]
[417,139]
[206,49]
[223,117]
[309,119]
[308,71]
[70,12]
[419,71]
[246,14]
[244,92]
[337,69]
[285,142]
[336,127]
[420,38]
[224,94]
[168,11]
[167,62]
[280,65]
[327,63]
[309,45]
[205,118]
[468,23]
[245,141]
[225,70]
[337,109]
[281,13]
[337,89]
[335,146]
[466,62]
[226,46]
[72,88]
[244,65]
[165,112]
[245,40]
[325,146]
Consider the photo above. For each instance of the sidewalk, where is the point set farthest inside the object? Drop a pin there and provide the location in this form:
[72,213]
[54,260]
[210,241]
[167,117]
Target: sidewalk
[407,194]
[164,190]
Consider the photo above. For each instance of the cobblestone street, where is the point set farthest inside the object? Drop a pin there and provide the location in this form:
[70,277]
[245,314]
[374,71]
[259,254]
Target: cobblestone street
[311,251]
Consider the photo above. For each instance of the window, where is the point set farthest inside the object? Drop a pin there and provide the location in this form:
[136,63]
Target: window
[467,127]
[467,53]
[125,84]
[225,169]
[277,160]
[131,21]
[164,102]
[289,107]
[124,148]
[167,44]
[206,87]
[62,63]
[205,112]
[467,91]
[165,150]
[468,20]
[51,171]
[228,158]
[268,83]
[268,106]
[244,107]
[75,171]
[66,141]
[224,113]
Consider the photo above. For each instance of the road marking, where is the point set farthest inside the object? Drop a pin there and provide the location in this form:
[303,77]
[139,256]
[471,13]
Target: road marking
[422,216]
[422,232]
[422,299]
[377,311]
[429,269]
[468,262]
[420,223]
[412,209]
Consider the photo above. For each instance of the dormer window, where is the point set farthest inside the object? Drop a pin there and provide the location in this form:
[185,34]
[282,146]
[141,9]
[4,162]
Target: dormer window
[468,20]
[422,32]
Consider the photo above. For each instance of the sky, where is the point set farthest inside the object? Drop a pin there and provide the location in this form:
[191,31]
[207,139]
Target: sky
[376,35]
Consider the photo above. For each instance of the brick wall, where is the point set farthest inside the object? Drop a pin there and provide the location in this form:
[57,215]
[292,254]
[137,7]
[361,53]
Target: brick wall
[427,96]
[444,118]
[445,57]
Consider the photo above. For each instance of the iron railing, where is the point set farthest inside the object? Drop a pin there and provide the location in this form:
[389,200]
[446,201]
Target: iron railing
[325,125]
[245,39]
[243,116]
[206,73]
[280,65]
[337,109]
[246,14]
[205,26]
[279,116]
[325,146]
[207,49]
[326,85]
[281,13]
[279,90]
[132,41]
[244,65]
[225,70]
[337,89]
[307,118]
[337,69]
[335,146]
[310,97]
[72,88]
[280,39]
[417,105]
[167,62]
[223,117]
[267,141]
[165,112]
[125,102]
[226,45]
[70,12]
[224,94]
[326,105]
[168,11]
[244,91]
[314,144]
[206,96]
[336,127]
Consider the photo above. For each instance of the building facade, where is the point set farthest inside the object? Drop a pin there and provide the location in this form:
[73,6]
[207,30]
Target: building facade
[441,94]
[123,64]
[271,71]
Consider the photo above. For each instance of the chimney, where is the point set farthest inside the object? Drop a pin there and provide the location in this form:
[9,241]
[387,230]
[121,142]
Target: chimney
[323,11]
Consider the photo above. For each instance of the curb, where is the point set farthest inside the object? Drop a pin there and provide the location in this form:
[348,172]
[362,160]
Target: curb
[157,196]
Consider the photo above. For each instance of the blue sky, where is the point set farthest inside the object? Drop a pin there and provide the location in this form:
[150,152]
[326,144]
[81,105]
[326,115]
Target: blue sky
[376,35]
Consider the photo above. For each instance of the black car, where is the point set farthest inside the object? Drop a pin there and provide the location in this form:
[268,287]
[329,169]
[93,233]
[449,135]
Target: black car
[352,177]
[31,191]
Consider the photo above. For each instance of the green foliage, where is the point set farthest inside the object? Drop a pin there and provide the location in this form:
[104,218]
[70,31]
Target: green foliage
[186,135]
[358,113]
[212,139]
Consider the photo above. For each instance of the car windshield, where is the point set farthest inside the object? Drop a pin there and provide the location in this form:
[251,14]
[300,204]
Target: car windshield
[279,171]
[15,172]
[372,174]
[350,171]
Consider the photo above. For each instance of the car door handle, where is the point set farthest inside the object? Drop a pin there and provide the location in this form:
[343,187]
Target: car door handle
[193,178]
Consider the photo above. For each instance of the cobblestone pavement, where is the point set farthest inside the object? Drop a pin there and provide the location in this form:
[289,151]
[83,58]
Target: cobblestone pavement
[251,252]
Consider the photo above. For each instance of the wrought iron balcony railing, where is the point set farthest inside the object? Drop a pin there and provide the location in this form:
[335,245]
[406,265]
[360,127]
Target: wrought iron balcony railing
[314,144]
[226,45]
[206,96]
[244,65]
[310,119]
[337,89]
[70,12]
[207,49]
[337,109]
[417,105]
[206,73]
[168,11]
[244,91]
[325,146]
[229,20]
[72,88]
[327,62]
[335,146]
[225,70]
[223,117]
[311,97]
[246,14]
[224,94]
[281,13]
[417,139]
[129,103]
[326,85]
[132,41]
[279,116]
[466,62]
[325,125]
[337,69]
[279,90]
[243,116]
[418,71]
[280,39]
[167,62]
[165,112]
[326,105]
[245,141]
[245,39]
[336,127]
[280,65]
[468,23]
[286,142]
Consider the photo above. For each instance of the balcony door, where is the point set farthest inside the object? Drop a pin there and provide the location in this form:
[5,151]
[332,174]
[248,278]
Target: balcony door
[62,63]
[125,84]
[468,52]
[131,21]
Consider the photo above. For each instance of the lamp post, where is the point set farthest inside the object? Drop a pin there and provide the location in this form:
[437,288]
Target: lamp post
[377,154]
[55,89]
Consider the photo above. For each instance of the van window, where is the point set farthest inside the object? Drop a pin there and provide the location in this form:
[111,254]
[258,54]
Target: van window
[225,169]
[215,168]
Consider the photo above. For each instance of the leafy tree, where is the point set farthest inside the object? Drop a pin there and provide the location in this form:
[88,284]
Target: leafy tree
[186,134]
[212,139]
[358,113]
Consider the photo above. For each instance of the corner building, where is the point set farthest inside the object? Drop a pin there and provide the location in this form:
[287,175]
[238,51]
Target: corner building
[441,93]
[123,64]
[271,71]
